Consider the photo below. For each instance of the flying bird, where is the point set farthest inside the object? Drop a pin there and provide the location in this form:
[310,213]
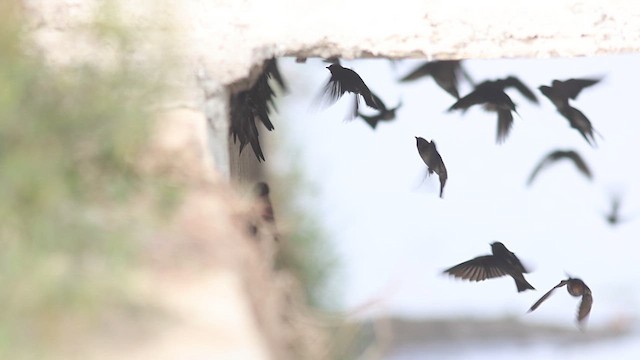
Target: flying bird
[432,158]
[254,104]
[502,262]
[575,287]
[384,114]
[559,94]
[556,155]
[445,73]
[491,94]
[344,80]
[613,216]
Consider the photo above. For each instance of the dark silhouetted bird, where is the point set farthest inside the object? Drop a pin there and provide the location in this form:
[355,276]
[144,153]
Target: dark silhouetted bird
[556,155]
[254,103]
[344,80]
[491,94]
[445,73]
[384,114]
[575,287]
[432,158]
[559,94]
[613,216]
[502,262]
[264,210]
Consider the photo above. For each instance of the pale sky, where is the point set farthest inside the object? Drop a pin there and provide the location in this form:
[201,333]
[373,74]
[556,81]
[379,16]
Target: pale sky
[395,237]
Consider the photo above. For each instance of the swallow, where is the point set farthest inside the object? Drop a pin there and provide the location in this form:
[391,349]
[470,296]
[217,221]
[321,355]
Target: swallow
[344,80]
[613,216]
[264,209]
[432,158]
[559,94]
[253,104]
[502,262]
[491,94]
[385,114]
[445,73]
[556,155]
[575,287]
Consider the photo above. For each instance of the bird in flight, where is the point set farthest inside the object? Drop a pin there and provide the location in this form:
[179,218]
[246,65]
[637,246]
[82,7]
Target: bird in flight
[575,287]
[254,104]
[384,114]
[446,73]
[431,157]
[559,94]
[500,263]
[491,94]
[344,80]
[556,155]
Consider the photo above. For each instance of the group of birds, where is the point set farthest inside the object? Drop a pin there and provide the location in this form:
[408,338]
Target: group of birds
[490,94]
[256,103]
[503,262]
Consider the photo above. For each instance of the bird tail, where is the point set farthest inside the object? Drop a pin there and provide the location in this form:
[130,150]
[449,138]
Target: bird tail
[523,285]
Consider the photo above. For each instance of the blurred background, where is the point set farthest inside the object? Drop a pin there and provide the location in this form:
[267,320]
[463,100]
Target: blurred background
[393,236]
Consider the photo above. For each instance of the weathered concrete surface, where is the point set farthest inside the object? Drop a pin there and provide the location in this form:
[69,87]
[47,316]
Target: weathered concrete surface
[228,38]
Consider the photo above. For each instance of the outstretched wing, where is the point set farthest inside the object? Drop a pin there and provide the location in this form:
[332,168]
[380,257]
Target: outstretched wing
[477,269]
[545,296]
[585,306]
[513,81]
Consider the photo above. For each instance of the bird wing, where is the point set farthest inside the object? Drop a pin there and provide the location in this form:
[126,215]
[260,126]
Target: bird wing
[572,87]
[585,306]
[371,120]
[477,269]
[331,92]
[580,122]
[473,98]
[580,163]
[545,296]
[422,70]
[541,165]
[505,121]
[513,81]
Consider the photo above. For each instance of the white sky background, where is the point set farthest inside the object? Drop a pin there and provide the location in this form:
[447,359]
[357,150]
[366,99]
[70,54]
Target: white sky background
[395,237]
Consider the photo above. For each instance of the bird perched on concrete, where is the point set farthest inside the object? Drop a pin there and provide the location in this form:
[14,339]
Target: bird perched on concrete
[254,104]
[575,287]
[502,262]
[432,158]
[492,95]
[559,94]
[445,73]
[384,114]
[556,155]
[344,80]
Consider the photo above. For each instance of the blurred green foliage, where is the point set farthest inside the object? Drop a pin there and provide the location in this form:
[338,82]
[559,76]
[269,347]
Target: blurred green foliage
[69,137]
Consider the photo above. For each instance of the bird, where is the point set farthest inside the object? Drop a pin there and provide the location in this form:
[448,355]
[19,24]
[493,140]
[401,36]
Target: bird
[264,209]
[385,114]
[559,94]
[502,262]
[254,103]
[344,80]
[575,287]
[444,72]
[491,94]
[613,216]
[556,155]
[431,157]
